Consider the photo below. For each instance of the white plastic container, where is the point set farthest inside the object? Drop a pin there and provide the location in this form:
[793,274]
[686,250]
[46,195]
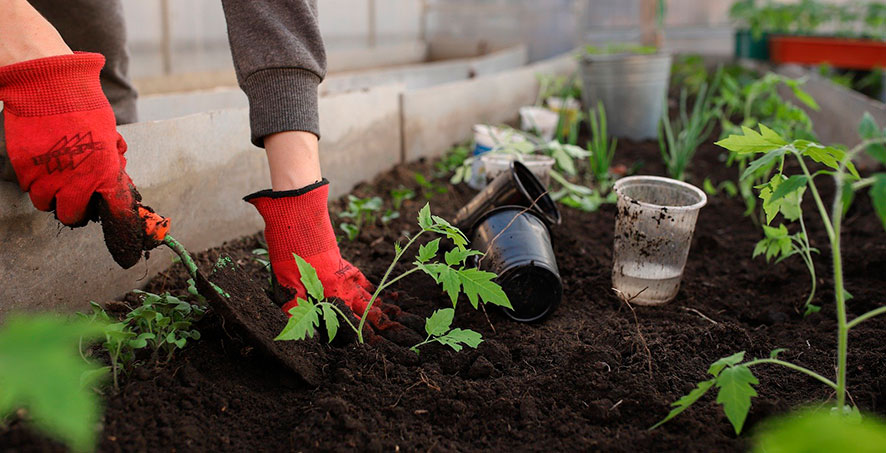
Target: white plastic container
[487,138]
[568,107]
[653,229]
[539,120]
[540,165]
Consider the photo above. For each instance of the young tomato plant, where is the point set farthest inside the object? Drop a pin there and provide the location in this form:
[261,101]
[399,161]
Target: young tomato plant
[732,375]
[439,330]
[120,342]
[453,274]
[42,374]
[361,210]
[428,187]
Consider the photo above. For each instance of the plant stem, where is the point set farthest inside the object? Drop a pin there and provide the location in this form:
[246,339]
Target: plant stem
[866,316]
[821,209]
[394,280]
[794,367]
[807,257]
[343,316]
[382,285]
[839,292]
[179,250]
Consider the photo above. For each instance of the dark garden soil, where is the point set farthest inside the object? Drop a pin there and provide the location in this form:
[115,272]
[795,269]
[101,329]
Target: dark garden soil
[583,380]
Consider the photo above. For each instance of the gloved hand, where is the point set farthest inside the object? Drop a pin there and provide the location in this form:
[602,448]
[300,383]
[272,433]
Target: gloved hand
[297,221]
[62,142]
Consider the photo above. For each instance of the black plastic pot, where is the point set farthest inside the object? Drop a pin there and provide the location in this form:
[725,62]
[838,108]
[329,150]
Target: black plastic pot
[516,187]
[518,249]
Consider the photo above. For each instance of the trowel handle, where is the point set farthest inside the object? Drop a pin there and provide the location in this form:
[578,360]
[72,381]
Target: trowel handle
[156,226]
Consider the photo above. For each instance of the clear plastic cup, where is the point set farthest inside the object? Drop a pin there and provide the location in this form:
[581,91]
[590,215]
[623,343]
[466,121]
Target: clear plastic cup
[487,138]
[654,223]
[494,164]
[540,120]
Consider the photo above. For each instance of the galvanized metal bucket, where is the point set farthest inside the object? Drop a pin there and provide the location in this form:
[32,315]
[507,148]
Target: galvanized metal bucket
[632,87]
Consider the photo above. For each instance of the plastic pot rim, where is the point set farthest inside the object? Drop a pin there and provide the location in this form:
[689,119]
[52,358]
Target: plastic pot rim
[703,198]
[510,207]
[624,56]
[554,218]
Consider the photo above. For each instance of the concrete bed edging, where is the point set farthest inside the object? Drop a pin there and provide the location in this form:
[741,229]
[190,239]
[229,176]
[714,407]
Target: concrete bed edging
[196,168]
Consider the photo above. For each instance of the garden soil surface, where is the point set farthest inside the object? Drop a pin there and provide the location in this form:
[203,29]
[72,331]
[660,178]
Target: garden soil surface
[591,377]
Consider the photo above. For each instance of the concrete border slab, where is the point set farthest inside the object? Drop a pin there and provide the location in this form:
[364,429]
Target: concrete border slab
[438,117]
[195,170]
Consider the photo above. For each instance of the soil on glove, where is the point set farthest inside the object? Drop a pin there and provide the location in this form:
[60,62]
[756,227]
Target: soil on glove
[588,378]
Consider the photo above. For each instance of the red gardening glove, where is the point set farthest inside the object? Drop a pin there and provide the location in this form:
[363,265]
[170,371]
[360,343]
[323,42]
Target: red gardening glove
[63,144]
[297,222]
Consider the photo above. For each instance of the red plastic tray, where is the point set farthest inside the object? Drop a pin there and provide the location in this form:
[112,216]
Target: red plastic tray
[837,52]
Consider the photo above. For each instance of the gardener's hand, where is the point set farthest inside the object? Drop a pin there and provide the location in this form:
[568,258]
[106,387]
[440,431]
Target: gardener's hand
[297,222]
[63,144]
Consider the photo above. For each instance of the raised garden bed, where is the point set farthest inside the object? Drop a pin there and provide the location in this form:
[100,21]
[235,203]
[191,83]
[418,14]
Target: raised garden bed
[581,380]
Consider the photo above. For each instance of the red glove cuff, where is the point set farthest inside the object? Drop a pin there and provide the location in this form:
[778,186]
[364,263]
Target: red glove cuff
[53,85]
[296,221]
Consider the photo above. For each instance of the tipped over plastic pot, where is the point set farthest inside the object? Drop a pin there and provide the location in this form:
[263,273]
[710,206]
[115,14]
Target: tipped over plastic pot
[518,249]
[516,187]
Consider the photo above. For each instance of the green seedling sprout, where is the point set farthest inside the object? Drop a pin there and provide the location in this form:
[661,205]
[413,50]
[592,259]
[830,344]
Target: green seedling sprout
[453,274]
[679,139]
[602,150]
[428,187]
[398,196]
[362,211]
[732,375]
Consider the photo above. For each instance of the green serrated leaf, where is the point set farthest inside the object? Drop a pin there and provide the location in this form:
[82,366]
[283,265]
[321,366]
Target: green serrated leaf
[428,251]
[736,390]
[787,187]
[331,321]
[718,366]
[478,284]
[445,276]
[686,400]
[821,431]
[828,156]
[439,322]
[878,196]
[458,337]
[766,161]
[302,322]
[41,372]
[309,278]
[752,142]
[424,217]
[457,256]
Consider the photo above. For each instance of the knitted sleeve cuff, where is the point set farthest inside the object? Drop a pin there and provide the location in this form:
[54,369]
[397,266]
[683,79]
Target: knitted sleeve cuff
[282,99]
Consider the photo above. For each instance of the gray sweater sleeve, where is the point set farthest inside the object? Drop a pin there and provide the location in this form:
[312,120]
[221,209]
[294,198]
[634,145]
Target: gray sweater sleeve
[279,59]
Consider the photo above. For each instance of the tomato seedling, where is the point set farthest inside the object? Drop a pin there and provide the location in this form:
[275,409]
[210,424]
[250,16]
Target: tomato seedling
[454,274]
[362,211]
[732,375]
[438,327]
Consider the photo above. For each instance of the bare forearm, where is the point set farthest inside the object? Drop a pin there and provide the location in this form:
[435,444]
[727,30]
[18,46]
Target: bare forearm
[26,35]
[293,159]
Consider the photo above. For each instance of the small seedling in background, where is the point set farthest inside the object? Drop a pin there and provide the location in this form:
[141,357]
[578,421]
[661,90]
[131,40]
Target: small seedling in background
[453,159]
[168,319]
[732,375]
[362,211]
[120,342]
[439,330]
[43,375]
[398,196]
[679,139]
[727,187]
[602,150]
[389,215]
[454,274]
[689,71]
[261,257]
[429,188]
